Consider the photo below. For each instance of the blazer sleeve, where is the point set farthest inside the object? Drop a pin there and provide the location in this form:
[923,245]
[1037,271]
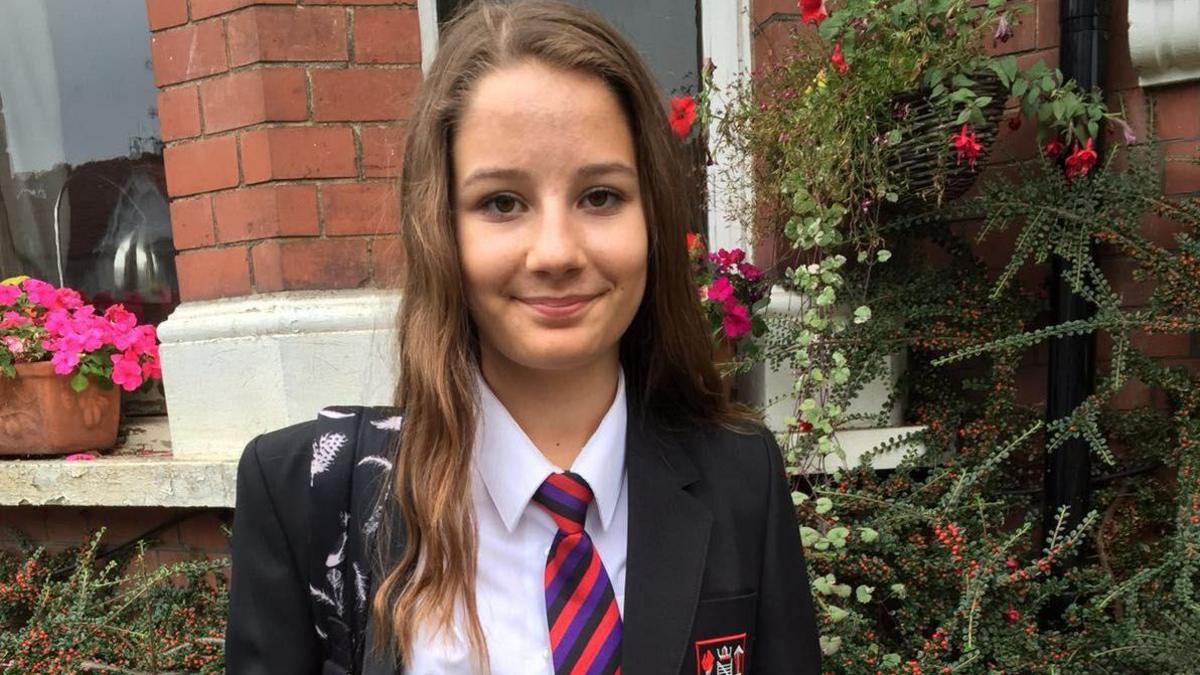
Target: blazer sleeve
[270,629]
[787,628]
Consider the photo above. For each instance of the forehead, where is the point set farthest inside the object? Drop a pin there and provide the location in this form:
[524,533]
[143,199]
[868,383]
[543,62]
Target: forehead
[536,115]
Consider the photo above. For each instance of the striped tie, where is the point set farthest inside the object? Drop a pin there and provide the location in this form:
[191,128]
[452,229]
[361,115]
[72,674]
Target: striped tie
[585,624]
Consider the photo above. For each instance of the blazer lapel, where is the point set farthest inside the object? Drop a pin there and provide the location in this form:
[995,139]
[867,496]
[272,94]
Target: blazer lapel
[667,550]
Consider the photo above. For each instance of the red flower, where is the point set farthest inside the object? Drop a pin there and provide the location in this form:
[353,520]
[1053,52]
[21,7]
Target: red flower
[812,11]
[1013,614]
[683,114]
[966,145]
[839,60]
[804,426]
[1054,147]
[1081,160]
[695,243]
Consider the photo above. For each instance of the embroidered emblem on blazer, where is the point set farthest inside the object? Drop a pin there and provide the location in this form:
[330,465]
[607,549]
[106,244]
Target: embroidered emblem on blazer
[721,655]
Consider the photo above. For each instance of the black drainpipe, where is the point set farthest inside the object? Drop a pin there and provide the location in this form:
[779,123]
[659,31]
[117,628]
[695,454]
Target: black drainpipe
[1072,365]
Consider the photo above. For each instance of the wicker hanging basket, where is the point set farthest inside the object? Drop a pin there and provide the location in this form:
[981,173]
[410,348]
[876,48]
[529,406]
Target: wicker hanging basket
[924,160]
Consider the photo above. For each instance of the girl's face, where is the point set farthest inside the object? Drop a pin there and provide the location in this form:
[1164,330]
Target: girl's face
[551,232]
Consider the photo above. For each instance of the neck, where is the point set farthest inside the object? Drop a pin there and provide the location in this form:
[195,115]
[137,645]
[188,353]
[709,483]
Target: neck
[558,410]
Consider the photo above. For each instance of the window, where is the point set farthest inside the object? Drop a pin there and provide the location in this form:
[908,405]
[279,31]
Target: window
[82,192]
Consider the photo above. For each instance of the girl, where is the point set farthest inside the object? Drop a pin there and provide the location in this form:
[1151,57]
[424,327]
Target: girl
[569,491]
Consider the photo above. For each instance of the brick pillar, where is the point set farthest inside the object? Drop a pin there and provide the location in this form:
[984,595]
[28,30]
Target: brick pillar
[284,127]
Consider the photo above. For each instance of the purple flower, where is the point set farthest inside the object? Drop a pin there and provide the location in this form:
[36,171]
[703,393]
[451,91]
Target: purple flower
[1004,31]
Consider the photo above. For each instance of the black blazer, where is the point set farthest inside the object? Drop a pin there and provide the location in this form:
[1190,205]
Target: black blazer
[714,558]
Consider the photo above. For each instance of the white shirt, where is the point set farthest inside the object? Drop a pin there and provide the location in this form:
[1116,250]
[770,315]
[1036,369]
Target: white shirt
[515,537]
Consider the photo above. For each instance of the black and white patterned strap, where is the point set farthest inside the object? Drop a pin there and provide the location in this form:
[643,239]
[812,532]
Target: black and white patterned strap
[351,463]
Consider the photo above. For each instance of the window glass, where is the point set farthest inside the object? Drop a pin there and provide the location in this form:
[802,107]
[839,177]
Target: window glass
[82,193]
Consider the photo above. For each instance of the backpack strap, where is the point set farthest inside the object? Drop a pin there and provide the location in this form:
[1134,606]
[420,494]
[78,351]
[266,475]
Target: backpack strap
[351,464]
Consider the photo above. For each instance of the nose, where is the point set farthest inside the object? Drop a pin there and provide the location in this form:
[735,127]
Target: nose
[557,246]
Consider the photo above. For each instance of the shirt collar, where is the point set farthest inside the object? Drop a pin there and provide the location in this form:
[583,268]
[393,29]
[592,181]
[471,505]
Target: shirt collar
[512,468]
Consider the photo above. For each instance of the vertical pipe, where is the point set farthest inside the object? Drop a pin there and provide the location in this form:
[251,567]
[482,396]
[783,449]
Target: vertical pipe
[1072,363]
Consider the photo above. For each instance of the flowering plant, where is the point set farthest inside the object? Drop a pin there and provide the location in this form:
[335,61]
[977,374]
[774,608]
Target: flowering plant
[39,322]
[734,292]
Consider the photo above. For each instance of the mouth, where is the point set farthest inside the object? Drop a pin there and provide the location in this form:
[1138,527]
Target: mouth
[558,307]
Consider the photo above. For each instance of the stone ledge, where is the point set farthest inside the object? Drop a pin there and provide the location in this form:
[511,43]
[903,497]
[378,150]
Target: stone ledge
[140,471]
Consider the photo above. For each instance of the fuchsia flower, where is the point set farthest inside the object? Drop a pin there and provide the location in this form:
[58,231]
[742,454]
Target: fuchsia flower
[683,114]
[812,11]
[1126,131]
[750,271]
[1053,147]
[966,145]
[839,60]
[1081,160]
[1004,31]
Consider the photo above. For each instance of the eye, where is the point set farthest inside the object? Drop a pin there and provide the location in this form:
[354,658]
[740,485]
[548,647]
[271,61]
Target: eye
[505,204]
[603,194]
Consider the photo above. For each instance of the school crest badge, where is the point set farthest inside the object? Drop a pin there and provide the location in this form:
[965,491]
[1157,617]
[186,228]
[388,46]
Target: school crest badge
[721,655]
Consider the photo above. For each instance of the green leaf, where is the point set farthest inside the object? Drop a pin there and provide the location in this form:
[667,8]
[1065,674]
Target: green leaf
[891,660]
[1020,87]
[79,382]
[1057,107]
[836,614]
[863,593]
[830,644]
[842,590]
[823,585]
[962,81]
[894,136]
[824,505]
[862,314]
[898,590]
[983,101]
[868,535]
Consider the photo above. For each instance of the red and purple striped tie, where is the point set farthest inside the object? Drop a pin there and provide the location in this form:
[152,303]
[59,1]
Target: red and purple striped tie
[585,623]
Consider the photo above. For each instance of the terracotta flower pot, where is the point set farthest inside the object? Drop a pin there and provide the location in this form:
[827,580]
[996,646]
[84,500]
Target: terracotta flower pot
[41,415]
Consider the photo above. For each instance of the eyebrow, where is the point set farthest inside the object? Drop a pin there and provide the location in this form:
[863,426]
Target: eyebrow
[586,171]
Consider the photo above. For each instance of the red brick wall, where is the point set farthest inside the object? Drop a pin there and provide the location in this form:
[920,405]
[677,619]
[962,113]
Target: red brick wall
[1172,113]
[284,128]
[190,533]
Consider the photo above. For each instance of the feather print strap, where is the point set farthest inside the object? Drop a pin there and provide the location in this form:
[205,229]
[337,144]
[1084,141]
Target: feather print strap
[350,466]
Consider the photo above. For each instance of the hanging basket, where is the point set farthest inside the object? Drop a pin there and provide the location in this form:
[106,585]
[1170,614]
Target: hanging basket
[40,414]
[924,159]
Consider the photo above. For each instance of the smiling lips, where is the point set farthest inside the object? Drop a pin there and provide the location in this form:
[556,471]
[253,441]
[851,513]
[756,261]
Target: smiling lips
[559,307]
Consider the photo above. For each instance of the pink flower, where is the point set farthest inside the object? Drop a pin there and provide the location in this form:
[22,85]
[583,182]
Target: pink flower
[127,372]
[9,295]
[683,114]
[121,317]
[1004,31]
[13,319]
[736,321]
[1126,131]
[152,368]
[68,298]
[79,457]
[40,293]
[750,271]
[720,290]
[65,361]
[726,259]
[812,11]
[14,345]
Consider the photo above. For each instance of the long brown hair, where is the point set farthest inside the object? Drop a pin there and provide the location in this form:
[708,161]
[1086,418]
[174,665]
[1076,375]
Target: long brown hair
[666,352]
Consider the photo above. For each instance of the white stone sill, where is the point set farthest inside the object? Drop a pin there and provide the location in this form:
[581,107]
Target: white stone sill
[139,472]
